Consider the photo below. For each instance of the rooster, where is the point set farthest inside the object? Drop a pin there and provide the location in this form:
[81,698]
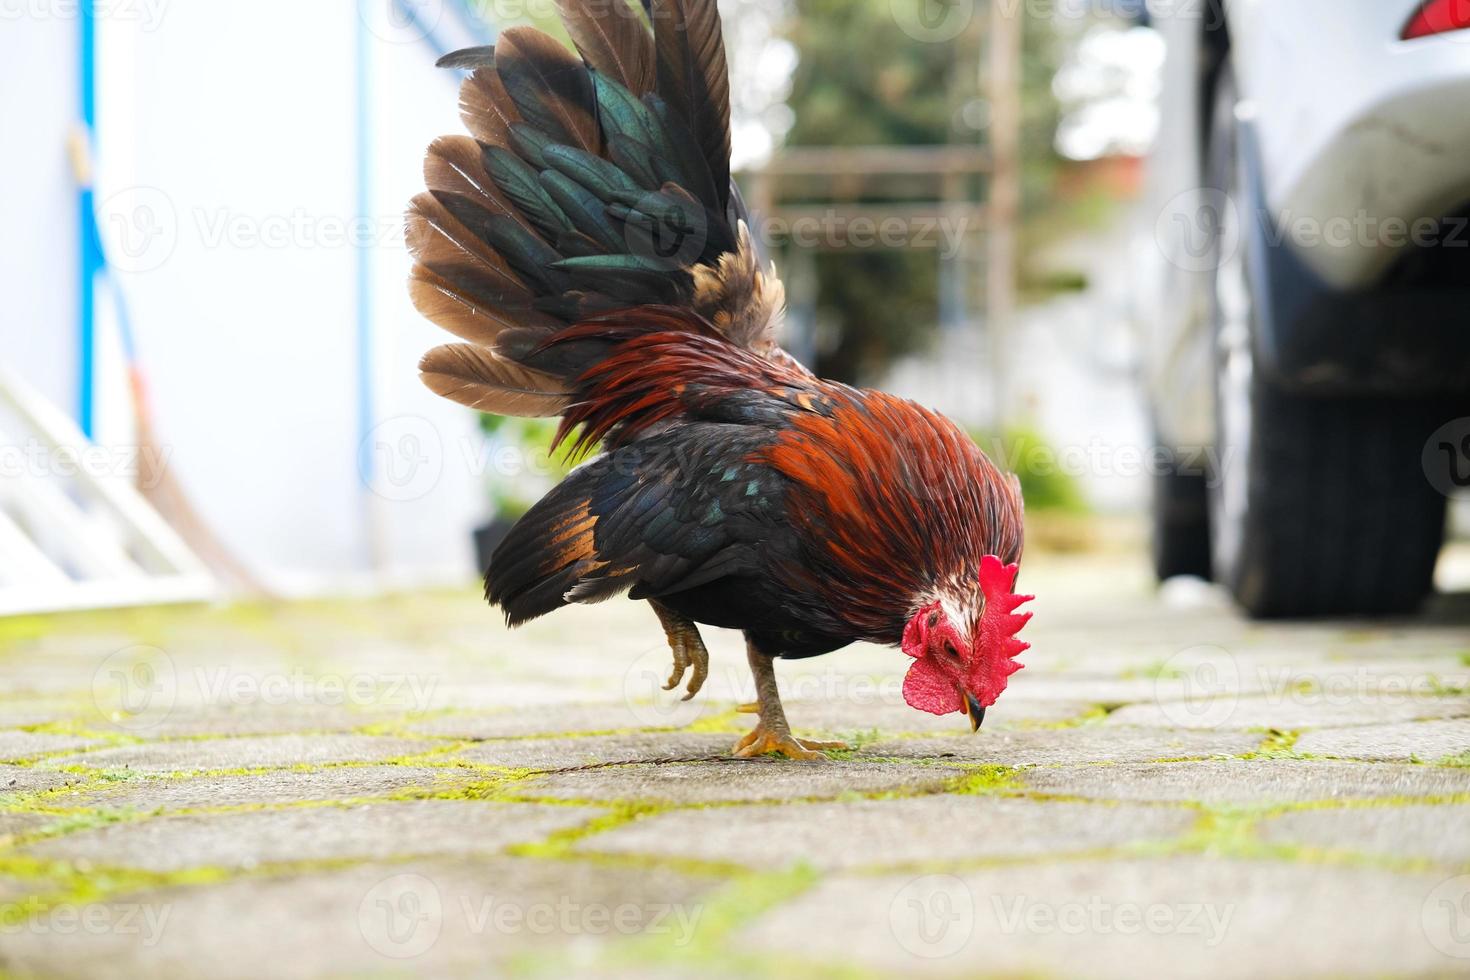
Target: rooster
[588,246]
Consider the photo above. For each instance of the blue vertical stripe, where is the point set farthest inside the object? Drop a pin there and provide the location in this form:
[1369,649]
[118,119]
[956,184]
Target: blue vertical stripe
[88,253]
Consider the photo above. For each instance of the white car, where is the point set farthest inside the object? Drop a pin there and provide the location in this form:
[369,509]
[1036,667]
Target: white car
[1305,302]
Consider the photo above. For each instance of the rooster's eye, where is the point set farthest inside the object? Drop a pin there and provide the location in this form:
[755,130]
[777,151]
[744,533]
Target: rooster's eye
[950,651]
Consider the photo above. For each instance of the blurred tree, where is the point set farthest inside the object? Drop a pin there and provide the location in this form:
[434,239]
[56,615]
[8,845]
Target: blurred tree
[863,80]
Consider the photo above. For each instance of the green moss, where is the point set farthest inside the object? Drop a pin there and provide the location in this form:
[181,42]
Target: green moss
[561,843]
[712,946]
[18,629]
[1461,761]
[730,720]
[1277,744]
[985,781]
[856,741]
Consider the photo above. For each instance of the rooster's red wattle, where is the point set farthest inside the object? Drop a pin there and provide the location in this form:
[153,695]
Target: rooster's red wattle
[589,247]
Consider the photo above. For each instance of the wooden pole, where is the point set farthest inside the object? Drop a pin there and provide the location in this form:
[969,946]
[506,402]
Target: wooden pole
[1001,79]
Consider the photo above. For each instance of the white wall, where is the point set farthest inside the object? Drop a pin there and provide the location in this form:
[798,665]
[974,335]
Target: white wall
[38,253]
[227,186]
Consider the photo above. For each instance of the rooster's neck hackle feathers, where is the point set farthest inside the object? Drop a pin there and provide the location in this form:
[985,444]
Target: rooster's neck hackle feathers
[900,504]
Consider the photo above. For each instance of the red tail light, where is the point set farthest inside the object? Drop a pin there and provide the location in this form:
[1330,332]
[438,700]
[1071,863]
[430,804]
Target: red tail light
[1436,17]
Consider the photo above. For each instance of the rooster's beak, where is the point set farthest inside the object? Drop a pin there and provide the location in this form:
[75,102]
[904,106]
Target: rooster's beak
[975,711]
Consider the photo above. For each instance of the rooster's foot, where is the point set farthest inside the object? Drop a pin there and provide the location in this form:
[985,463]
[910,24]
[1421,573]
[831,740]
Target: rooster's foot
[689,652]
[764,741]
[687,647]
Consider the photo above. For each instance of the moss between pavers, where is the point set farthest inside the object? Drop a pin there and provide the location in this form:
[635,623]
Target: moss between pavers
[1220,832]
[746,897]
[1277,745]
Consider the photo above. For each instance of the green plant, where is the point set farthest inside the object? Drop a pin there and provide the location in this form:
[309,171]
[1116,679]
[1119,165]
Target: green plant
[1045,483]
[522,463]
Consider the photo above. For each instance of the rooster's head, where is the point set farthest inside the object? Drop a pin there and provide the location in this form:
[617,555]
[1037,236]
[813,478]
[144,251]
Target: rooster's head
[964,647]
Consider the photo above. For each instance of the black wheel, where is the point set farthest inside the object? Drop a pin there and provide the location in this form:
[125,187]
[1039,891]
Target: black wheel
[1320,505]
[1181,523]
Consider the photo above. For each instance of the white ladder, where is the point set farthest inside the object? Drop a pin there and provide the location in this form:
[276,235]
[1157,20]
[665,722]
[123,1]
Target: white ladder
[74,535]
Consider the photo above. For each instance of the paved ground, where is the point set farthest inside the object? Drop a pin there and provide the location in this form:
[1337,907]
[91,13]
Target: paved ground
[402,787]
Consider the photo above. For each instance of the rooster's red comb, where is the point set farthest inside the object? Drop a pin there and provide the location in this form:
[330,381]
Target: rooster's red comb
[999,624]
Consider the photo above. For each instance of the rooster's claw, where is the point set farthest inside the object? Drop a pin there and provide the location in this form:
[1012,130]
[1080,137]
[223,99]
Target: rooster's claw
[688,651]
[763,741]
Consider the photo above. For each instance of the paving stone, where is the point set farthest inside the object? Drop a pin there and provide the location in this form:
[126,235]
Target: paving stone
[14,824]
[568,719]
[1406,675]
[1084,743]
[506,694]
[843,718]
[1291,713]
[1357,690]
[1428,741]
[1248,782]
[592,750]
[466,918]
[1126,919]
[34,711]
[15,780]
[249,752]
[736,780]
[1091,690]
[266,788]
[46,678]
[261,719]
[371,831]
[1438,833]
[24,745]
[922,830]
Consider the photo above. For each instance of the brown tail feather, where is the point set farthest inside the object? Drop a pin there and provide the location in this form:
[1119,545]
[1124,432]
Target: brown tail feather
[486,107]
[470,317]
[693,77]
[613,40]
[482,380]
[437,239]
[549,86]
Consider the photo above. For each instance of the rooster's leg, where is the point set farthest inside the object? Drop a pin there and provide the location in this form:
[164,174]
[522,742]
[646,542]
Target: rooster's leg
[771,733]
[686,645]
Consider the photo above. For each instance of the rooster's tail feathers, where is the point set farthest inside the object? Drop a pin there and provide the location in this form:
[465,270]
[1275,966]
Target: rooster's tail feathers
[588,186]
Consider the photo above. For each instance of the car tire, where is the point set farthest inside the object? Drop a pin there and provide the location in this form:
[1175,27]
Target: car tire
[1318,505]
[1181,523]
